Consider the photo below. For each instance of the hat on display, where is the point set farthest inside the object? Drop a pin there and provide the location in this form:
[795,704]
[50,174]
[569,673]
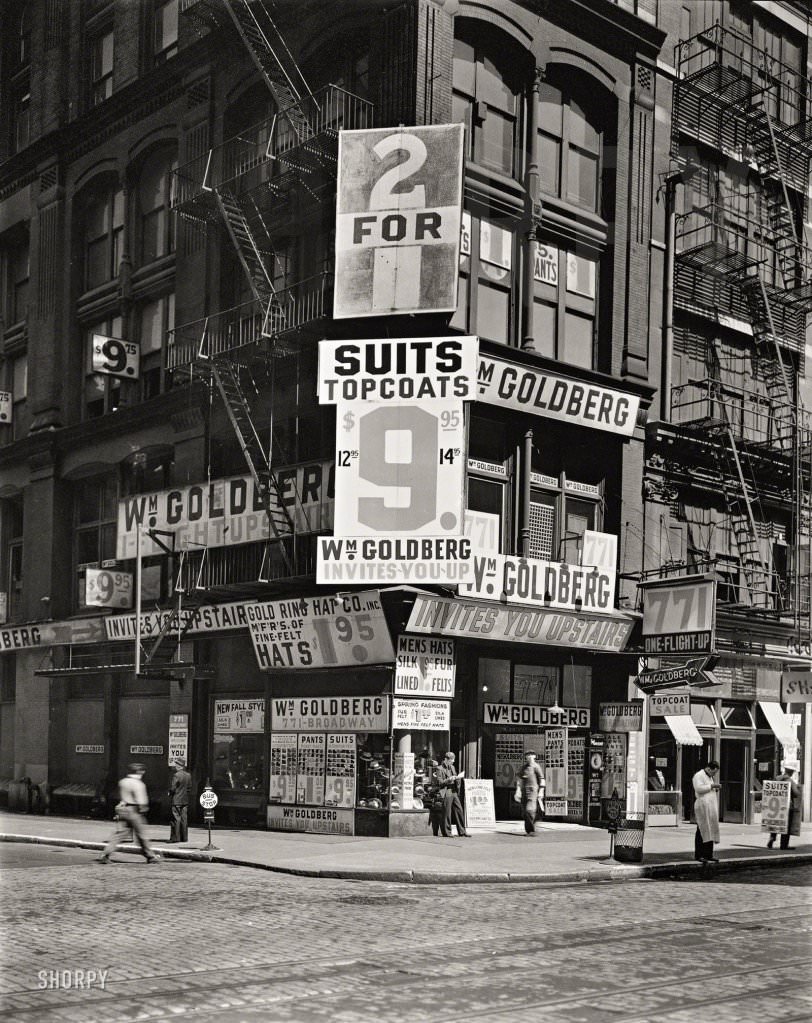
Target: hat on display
[792,765]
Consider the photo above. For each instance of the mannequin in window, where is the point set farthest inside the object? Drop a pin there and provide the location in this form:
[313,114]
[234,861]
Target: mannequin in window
[656,778]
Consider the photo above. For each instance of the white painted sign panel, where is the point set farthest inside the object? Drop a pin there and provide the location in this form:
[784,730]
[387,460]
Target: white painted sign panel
[107,588]
[330,714]
[6,399]
[239,717]
[321,820]
[113,356]
[542,583]
[178,744]
[424,667]
[421,715]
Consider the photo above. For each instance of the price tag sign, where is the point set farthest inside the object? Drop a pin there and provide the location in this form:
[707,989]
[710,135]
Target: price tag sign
[678,615]
[107,588]
[5,406]
[399,469]
[115,357]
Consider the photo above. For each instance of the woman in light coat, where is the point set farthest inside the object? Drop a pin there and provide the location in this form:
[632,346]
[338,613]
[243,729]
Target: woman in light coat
[706,811]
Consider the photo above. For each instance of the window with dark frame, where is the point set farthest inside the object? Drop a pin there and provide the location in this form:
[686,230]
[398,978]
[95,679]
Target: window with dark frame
[157,317]
[103,235]
[95,502]
[156,222]
[566,304]
[15,283]
[100,67]
[12,522]
[19,389]
[570,147]
[20,117]
[165,31]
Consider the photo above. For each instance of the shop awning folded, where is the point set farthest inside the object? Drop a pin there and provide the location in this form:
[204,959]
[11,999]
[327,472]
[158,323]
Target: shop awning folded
[683,729]
[778,720]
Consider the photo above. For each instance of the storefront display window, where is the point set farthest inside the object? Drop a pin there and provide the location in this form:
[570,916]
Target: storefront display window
[238,744]
[535,684]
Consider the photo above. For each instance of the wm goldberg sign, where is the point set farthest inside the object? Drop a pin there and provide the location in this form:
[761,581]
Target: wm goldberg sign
[226,512]
[398,214]
[532,714]
[549,583]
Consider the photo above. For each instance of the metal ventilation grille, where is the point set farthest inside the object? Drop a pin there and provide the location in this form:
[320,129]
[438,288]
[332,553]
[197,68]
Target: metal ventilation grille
[542,523]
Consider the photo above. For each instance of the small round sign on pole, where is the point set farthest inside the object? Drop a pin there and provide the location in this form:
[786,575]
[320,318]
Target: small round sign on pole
[613,813]
[208,801]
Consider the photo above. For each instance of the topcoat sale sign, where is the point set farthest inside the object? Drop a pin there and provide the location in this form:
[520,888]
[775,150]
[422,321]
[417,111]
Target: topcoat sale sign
[398,216]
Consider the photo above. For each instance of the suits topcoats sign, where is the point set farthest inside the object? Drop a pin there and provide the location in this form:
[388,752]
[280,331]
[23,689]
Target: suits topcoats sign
[398,214]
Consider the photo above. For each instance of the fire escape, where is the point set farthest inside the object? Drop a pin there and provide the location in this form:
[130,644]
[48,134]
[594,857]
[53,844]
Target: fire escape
[253,187]
[741,259]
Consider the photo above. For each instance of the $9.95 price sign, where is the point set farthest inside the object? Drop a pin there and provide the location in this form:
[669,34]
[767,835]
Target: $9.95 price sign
[114,357]
[399,469]
[104,588]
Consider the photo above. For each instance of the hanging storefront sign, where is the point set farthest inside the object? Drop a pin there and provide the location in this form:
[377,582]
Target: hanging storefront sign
[671,703]
[224,512]
[402,787]
[620,717]
[679,615]
[775,806]
[479,802]
[178,744]
[796,686]
[321,632]
[675,676]
[532,714]
[320,820]
[555,766]
[498,623]
[398,369]
[435,560]
[78,630]
[310,768]
[239,717]
[398,214]
[339,771]
[112,356]
[543,583]
[330,714]
[106,588]
[421,715]
[284,768]
[554,396]
[424,667]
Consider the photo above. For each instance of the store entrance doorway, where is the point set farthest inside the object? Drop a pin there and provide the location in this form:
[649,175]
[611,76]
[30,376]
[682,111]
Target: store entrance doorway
[734,776]
[693,759]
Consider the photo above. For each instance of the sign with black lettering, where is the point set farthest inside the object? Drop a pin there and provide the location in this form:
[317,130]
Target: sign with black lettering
[330,714]
[398,214]
[796,685]
[115,357]
[424,667]
[104,588]
[535,715]
[5,407]
[679,615]
[621,717]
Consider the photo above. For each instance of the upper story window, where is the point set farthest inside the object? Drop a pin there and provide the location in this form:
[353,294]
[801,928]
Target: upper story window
[782,52]
[156,223]
[570,147]
[94,519]
[20,112]
[19,390]
[103,233]
[102,391]
[12,528]
[486,286]
[165,31]
[565,314]
[15,282]
[24,36]
[157,318]
[487,96]
[100,60]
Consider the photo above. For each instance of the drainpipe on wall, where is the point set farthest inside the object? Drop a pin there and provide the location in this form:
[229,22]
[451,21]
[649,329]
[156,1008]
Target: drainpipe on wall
[524,503]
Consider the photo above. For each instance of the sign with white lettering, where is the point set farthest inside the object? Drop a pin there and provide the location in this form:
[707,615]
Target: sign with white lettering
[115,357]
[620,717]
[554,396]
[239,717]
[284,763]
[796,685]
[330,714]
[679,615]
[398,219]
[775,804]
[535,715]
[479,803]
[424,667]
[178,744]
[89,749]
[421,715]
[545,583]
[321,632]
[441,616]
[105,588]
[157,751]
[398,369]
[225,512]
[670,703]
[320,820]
[674,676]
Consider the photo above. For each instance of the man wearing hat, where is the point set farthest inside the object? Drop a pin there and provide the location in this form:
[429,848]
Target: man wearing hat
[530,790]
[133,804]
[180,791]
[794,822]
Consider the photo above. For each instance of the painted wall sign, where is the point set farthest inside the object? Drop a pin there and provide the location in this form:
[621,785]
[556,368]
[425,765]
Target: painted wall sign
[322,820]
[398,218]
[552,395]
[424,667]
[398,369]
[537,716]
[330,714]
[79,630]
[89,749]
[620,717]
[678,615]
[239,717]
[157,751]
[796,686]
[321,632]
[178,744]
[444,617]
[421,715]
[544,583]
[670,703]
[225,512]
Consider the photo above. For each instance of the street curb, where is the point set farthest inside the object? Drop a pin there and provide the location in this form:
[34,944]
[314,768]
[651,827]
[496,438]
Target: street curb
[621,872]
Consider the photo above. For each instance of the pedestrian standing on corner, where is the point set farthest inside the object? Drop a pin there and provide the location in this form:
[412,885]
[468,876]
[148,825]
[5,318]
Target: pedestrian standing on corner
[132,805]
[180,791]
[529,792]
[447,781]
[434,801]
[706,812]
[794,822]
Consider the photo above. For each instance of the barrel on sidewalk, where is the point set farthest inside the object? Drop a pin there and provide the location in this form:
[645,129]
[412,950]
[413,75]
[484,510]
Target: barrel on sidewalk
[629,838]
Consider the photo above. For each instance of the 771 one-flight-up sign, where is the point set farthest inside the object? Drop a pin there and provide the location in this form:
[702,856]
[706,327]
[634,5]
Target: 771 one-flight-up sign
[398,216]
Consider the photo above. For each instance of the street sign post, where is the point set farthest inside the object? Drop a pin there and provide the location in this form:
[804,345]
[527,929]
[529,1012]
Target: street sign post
[208,800]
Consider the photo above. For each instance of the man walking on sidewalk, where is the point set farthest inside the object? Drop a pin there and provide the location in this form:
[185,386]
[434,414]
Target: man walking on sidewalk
[530,791]
[181,787]
[133,803]
[794,822]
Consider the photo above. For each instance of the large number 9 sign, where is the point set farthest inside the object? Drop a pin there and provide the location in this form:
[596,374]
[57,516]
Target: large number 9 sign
[115,357]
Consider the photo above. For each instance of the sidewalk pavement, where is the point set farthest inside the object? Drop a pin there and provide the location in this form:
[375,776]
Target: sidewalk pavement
[558,852]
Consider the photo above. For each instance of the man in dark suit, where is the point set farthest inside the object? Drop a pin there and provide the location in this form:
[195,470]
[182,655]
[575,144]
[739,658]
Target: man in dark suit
[180,792]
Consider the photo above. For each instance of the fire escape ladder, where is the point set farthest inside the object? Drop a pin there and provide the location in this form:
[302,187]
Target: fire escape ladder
[171,634]
[226,374]
[276,64]
[776,377]
[252,258]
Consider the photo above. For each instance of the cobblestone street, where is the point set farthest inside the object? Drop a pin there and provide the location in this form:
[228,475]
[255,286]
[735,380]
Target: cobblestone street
[219,943]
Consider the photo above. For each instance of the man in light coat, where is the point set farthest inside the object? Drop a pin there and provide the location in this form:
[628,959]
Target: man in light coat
[133,804]
[706,811]
[794,822]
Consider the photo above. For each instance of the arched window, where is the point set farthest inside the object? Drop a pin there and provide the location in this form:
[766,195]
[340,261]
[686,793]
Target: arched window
[570,147]
[103,233]
[156,223]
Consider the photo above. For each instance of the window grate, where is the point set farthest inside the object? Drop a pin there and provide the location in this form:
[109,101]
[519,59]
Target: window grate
[542,526]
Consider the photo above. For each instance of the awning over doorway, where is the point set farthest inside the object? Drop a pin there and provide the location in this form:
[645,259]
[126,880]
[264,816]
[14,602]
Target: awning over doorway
[683,729]
[778,720]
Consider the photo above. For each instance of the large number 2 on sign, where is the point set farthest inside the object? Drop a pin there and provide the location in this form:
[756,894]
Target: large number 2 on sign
[418,474]
[382,196]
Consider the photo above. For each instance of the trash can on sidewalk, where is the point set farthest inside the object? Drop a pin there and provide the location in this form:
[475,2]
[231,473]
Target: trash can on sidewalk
[629,838]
